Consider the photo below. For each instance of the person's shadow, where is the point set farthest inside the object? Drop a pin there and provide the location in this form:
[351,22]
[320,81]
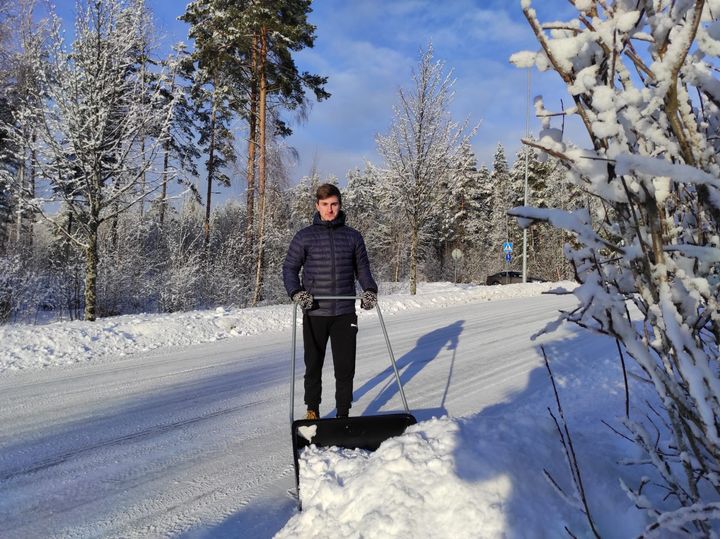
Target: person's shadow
[427,348]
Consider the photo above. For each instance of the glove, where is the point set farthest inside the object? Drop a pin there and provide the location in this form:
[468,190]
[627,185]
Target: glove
[368,300]
[304,299]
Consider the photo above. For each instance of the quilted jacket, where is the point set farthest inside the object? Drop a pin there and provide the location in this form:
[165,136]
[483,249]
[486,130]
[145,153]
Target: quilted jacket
[331,255]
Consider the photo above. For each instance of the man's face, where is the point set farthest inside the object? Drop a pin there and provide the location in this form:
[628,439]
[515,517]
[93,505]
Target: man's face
[328,208]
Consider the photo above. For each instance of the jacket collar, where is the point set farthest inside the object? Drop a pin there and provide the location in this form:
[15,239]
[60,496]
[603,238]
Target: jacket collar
[338,221]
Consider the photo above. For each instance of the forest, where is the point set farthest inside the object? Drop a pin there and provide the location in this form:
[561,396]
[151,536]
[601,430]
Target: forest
[114,160]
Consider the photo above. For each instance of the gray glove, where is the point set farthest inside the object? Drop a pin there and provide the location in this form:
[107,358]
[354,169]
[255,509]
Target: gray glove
[368,300]
[304,299]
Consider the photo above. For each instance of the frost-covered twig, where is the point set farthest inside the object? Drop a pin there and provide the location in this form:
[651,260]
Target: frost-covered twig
[655,234]
[580,498]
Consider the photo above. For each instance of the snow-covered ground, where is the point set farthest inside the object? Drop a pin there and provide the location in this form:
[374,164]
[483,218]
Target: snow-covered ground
[27,346]
[177,425]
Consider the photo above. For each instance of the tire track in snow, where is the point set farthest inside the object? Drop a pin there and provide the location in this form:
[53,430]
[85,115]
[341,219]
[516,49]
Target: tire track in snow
[128,438]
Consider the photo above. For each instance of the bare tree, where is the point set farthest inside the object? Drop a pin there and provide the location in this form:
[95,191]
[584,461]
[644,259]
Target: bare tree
[421,148]
[91,111]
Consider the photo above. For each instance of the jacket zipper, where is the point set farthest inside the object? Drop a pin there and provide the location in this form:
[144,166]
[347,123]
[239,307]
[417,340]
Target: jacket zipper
[332,257]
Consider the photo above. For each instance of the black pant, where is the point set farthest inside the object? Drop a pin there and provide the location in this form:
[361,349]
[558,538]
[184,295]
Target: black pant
[342,332]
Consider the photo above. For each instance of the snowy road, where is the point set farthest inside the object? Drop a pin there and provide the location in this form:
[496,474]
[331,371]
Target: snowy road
[194,442]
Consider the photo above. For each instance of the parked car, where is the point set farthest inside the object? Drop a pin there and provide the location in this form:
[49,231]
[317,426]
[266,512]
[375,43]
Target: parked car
[509,277]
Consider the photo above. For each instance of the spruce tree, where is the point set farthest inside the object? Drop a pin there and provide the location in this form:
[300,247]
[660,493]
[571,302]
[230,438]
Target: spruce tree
[502,200]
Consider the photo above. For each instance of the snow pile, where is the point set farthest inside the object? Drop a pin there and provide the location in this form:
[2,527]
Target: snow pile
[408,488]
[26,346]
[482,476]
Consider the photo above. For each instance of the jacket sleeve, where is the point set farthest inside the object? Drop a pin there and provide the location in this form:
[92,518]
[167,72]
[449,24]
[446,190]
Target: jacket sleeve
[362,266]
[294,260]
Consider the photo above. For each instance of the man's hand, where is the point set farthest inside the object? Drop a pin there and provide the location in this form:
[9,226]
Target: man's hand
[304,299]
[368,300]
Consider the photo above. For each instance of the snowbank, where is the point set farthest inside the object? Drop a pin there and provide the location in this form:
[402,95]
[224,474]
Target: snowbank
[29,346]
[482,475]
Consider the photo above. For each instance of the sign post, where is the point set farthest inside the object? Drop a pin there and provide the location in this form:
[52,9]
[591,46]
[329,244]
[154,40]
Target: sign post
[507,249]
[457,256]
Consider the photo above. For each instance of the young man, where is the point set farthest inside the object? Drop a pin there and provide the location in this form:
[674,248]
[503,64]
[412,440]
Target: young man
[331,256]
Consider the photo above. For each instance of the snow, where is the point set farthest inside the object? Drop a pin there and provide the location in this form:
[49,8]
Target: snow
[584,5]
[629,163]
[193,441]
[32,346]
[479,475]
[627,21]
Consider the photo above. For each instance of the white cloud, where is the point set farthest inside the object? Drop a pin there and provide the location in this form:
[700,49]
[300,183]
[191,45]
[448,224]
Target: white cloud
[368,49]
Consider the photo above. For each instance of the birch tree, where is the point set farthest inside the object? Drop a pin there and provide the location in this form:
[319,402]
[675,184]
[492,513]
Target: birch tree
[22,82]
[90,110]
[653,167]
[420,149]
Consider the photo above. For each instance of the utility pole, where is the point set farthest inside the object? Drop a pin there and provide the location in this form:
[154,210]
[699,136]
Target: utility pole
[527,155]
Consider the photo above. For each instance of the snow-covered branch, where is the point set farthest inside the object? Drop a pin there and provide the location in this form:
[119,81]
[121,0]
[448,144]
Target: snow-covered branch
[654,238]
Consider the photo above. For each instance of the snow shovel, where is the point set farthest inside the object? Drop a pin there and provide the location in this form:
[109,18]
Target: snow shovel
[361,432]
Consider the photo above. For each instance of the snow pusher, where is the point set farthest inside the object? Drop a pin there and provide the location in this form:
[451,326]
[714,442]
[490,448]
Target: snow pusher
[360,432]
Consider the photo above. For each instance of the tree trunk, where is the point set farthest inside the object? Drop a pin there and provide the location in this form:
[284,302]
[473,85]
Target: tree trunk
[114,227]
[262,96]
[397,260]
[91,265]
[31,188]
[19,208]
[211,171]
[166,160]
[143,178]
[413,259]
[143,183]
[163,192]
[252,145]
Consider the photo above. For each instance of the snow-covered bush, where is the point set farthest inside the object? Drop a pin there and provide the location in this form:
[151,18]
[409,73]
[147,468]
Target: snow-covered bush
[643,77]
[22,291]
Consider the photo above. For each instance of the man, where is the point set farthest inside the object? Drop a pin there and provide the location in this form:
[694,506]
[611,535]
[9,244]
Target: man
[331,256]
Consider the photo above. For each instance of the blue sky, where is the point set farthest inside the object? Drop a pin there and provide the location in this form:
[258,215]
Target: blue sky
[368,48]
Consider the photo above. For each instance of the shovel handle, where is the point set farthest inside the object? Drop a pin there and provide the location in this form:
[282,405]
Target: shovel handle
[387,342]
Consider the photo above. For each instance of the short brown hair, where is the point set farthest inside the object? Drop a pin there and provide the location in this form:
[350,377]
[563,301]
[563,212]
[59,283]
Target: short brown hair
[327,190]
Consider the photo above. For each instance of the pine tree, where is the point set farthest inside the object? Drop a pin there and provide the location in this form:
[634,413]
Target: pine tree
[216,70]
[446,229]
[478,225]
[179,150]
[277,29]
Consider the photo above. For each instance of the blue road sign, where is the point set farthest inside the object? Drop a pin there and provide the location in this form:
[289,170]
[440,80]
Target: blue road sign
[508,256]
[507,247]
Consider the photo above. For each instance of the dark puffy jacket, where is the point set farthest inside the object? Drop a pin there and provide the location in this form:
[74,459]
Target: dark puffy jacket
[331,255]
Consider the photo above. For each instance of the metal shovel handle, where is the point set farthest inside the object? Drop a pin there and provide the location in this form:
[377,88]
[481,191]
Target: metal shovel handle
[387,341]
